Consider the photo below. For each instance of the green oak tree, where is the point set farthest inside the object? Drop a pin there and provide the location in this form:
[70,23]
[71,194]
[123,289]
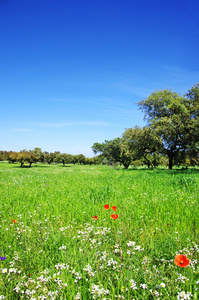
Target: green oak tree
[174,119]
[113,151]
[63,158]
[38,154]
[142,144]
[81,159]
[12,157]
[26,156]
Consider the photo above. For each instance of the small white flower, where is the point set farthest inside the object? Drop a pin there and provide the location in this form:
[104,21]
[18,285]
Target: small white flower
[11,270]
[133,284]
[157,294]
[130,244]
[62,247]
[144,286]
[162,285]
[4,271]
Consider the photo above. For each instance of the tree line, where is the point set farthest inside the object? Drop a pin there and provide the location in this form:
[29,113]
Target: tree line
[171,135]
[36,155]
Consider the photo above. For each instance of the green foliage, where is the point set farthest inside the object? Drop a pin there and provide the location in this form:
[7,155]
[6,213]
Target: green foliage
[38,154]
[114,152]
[174,118]
[12,157]
[49,157]
[4,155]
[81,159]
[63,158]
[143,144]
[26,156]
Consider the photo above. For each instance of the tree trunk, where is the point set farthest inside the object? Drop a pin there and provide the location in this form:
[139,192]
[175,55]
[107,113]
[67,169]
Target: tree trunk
[170,161]
[126,166]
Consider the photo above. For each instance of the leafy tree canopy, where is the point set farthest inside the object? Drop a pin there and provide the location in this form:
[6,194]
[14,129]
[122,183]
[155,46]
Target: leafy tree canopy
[174,118]
[113,151]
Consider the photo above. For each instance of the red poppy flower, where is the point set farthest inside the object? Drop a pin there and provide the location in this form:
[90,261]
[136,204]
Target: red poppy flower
[114,208]
[95,217]
[106,206]
[181,260]
[113,216]
[14,221]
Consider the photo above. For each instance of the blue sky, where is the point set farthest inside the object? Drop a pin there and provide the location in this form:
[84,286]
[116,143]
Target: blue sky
[73,71]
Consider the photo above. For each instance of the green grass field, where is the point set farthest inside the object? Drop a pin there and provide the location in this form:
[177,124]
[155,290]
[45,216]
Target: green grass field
[52,247]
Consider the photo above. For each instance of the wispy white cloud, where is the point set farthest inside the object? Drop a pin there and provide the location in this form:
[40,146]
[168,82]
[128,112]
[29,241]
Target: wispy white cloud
[69,124]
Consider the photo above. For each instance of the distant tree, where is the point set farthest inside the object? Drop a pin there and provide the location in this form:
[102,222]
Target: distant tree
[93,160]
[97,160]
[42,158]
[81,159]
[151,160]
[113,151]
[74,159]
[56,153]
[30,158]
[88,161]
[4,155]
[39,155]
[1,155]
[71,159]
[12,157]
[21,158]
[142,144]
[26,156]
[49,157]
[63,158]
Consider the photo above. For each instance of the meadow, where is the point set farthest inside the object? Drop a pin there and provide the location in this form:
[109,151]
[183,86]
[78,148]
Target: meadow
[96,232]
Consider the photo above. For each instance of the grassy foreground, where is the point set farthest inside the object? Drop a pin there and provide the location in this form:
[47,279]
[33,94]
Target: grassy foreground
[52,247]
